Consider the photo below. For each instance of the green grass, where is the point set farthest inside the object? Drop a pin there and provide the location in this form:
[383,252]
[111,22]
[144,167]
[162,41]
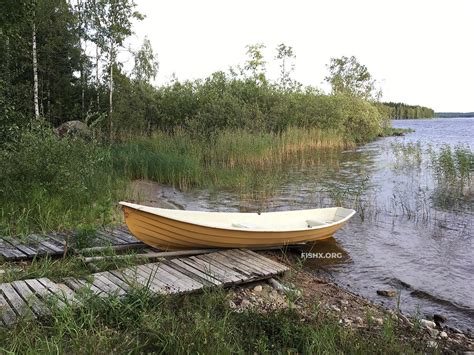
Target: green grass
[204,323]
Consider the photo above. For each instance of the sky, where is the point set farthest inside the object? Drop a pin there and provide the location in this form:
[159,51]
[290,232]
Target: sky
[421,52]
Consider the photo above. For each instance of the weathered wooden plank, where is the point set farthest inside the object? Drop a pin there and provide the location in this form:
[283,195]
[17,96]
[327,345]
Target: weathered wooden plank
[38,307]
[259,260]
[110,238]
[84,286]
[255,256]
[42,291]
[188,283]
[35,241]
[17,302]
[156,276]
[107,286]
[7,314]
[192,272]
[211,270]
[144,279]
[64,295]
[249,261]
[18,244]
[60,238]
[125,235]
[206,258]
[47,245]
[237,263]
[263,259]
[52,244]
[9,252]
[116,280]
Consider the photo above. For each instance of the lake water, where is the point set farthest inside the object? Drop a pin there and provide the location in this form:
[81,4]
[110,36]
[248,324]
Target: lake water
[404,237]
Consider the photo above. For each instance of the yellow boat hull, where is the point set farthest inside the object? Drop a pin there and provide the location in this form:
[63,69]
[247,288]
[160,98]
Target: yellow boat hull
[165,232]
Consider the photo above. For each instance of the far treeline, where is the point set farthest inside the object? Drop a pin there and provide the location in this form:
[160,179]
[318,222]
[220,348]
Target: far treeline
[400,111]
[454,114]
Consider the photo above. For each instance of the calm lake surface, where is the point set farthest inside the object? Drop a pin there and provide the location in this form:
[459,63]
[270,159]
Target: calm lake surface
[403,237]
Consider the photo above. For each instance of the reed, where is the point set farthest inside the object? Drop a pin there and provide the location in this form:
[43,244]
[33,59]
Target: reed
[231,160]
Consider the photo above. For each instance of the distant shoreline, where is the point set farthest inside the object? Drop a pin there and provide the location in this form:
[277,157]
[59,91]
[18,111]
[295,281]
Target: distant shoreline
[453,114]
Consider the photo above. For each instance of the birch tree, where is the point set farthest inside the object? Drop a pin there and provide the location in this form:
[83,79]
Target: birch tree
[112,23]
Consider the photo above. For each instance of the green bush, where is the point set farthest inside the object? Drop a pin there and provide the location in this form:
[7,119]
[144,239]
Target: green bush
[47,182]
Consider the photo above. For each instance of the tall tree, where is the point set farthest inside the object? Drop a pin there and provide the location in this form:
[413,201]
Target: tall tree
[112,23]
[255,64]
[348,76]
[146,63]
[286,55]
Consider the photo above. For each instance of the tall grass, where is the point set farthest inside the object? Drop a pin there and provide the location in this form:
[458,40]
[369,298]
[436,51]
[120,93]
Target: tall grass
[232,159]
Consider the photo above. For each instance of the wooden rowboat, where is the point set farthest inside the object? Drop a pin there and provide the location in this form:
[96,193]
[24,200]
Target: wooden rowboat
[177,229]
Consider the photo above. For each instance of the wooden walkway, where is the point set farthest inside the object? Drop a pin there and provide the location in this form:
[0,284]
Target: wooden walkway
[29,298]
[23,248]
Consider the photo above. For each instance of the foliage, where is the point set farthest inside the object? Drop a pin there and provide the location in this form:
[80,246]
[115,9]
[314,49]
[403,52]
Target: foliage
[49,183]
[400,110]
[348,77]
[146,64]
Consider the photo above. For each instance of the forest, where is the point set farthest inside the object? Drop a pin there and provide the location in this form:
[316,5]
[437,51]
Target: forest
[400,111]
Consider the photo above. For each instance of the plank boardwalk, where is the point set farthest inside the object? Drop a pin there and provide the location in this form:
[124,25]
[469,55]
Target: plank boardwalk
[32,298]
[23,248]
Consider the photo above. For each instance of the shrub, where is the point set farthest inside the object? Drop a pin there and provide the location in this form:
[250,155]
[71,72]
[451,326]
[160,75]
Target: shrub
[47,182]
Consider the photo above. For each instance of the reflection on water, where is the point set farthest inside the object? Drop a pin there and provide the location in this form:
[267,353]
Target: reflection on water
[401,238]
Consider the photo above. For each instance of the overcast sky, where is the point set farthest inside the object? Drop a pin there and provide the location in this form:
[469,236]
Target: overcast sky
[421,52]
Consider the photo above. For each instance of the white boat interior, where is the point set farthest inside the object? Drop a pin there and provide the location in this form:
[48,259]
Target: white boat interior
[263,222]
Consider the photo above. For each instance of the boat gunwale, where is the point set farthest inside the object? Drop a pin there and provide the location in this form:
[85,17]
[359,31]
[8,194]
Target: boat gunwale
[231,228]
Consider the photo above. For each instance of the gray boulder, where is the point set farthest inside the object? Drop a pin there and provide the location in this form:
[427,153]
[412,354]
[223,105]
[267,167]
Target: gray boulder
[74,128]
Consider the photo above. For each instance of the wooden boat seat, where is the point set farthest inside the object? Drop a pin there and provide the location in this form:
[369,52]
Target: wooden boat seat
[315,223]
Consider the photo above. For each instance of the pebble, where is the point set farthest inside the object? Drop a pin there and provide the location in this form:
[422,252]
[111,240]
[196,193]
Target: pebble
[432,344]
[344,302]
[387,293]
[232,304]
[359,320]
[335,308]
[258,288]
[347,321]
[443,335]
[378,321]
[428,324]
[433,332]
[245,303]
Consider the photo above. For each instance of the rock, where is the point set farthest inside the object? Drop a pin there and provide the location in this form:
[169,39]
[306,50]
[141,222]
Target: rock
[378,321]
[335,308]
[74,128]
[455,330]
[232,304]
[433,332]
[344,302]
[358,320]
[439,318]
[432,344]
[428,324]
[443,335]
[258,288]
[387,293]
[347,321]
[245,303]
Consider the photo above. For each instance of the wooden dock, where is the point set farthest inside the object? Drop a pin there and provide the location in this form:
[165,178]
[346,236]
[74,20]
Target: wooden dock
[53,244]
[29,298]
